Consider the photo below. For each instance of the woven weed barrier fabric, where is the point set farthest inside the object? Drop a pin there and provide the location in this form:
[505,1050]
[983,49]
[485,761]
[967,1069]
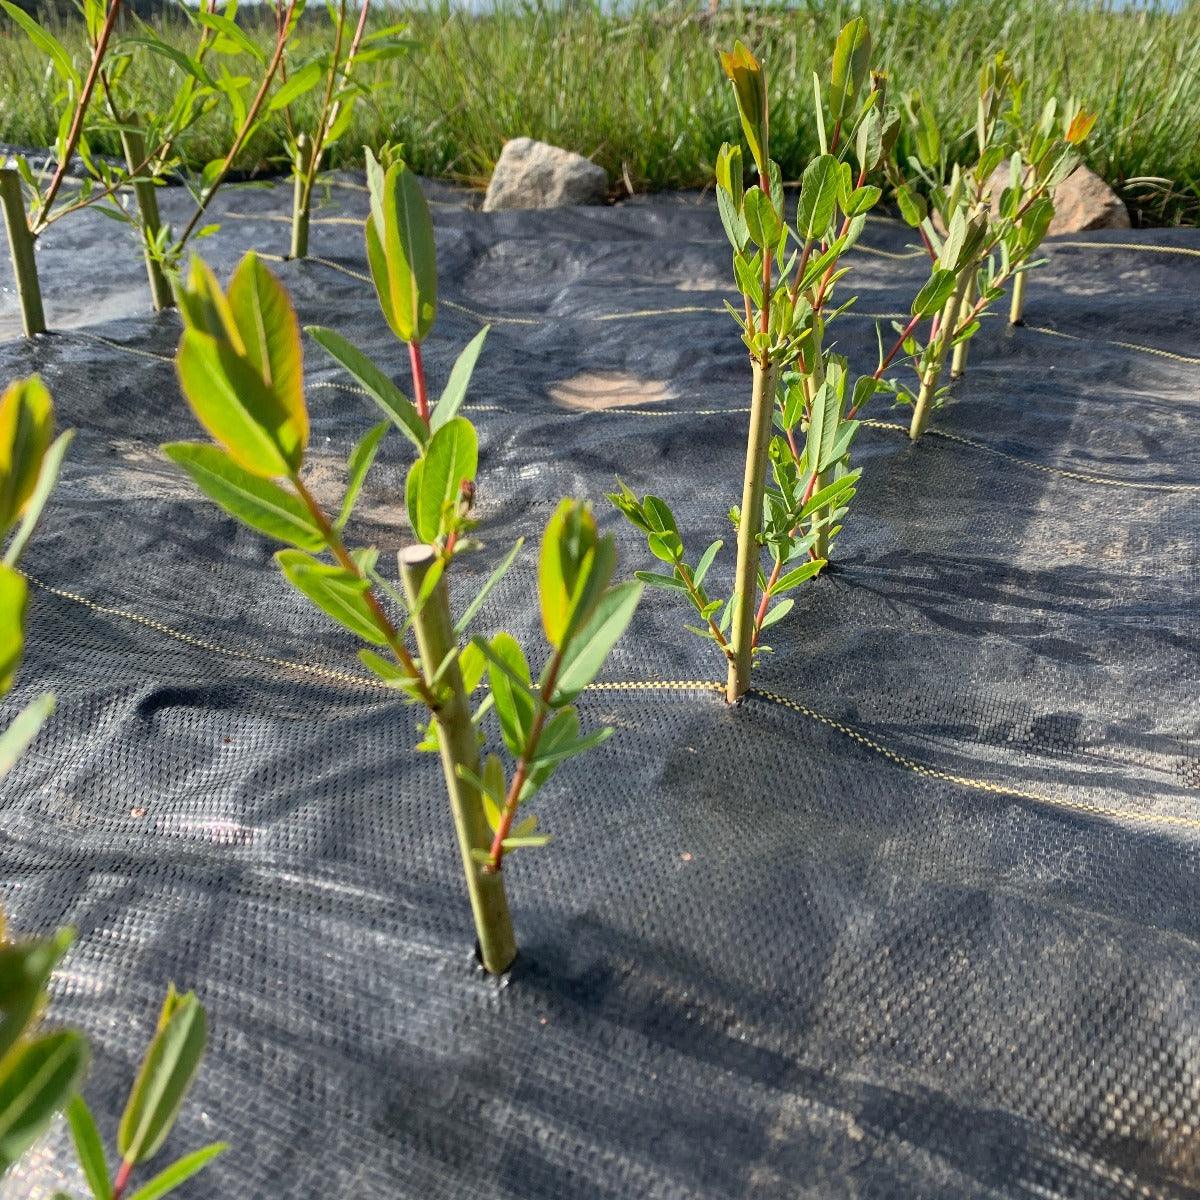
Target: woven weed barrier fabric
[918,919]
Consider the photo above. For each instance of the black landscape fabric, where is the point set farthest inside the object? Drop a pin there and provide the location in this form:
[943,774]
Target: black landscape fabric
[919,919]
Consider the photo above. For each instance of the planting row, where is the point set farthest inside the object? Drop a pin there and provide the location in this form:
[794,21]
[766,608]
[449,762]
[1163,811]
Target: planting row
[239,363]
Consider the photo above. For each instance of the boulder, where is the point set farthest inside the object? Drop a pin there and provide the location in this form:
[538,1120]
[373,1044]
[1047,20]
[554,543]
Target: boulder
[1082,201]
[531,174]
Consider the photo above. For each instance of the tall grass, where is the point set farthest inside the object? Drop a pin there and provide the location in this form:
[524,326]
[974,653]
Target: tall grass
[638,87]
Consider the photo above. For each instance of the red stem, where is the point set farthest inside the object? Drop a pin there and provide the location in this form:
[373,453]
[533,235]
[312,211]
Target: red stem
[420,394]
[513,799]
[122,1180]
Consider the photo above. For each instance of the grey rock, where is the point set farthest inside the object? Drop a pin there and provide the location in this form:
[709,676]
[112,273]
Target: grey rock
[1082,201]
[531,174]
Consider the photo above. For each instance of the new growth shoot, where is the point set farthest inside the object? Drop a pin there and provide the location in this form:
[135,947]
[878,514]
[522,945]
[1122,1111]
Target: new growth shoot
[335,74]
[794,495]
[980,226]
[240,367]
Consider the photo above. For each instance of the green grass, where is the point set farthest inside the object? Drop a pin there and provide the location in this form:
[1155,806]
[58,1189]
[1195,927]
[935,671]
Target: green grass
[640,90]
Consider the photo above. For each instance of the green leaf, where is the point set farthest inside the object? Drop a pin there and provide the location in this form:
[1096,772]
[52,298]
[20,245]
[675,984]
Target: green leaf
[23,730]
[265,319]
[460,626]
[362,457]
[851,60]
[862,200]
[166,1074]
[455,391]
[589,647]
[232,32]
[666,582]
[782,609]
[26,429]
[515,707]
[937,289]
[46,42]
[89,1148]
[335,591]
[818,197]
[380,388]
[706,561]
[762,221]
[24,972]
[451,459]
[402,254]
[794,578]
[912,205]
[253,500]
[37,1080]
[750,91]
[297,85]
[179,1172]
[14,596]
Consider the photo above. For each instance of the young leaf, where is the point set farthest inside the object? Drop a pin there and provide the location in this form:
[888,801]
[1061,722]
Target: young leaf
[706,561]
[26,429]
[362,457]
[750,92]
[401,254]
[455,391]
[589,646]
[335,591]
[179,1172]
[270,332]
[380,388]
[508,674]
[255,501]
[89,1147]
[166,1075]
[468,615]
[14,596]
[451,459]
[36,1082]
[782,609]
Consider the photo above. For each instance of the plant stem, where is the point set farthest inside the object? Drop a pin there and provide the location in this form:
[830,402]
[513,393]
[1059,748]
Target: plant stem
[338,549]
[513,799]
[121,1182]
[420,394]
[958,364]
[81,107]
[940,343]
[247,125]
[301,198]
[134,145]
[762,411]
[20,246]
[458,746]
[1016,313]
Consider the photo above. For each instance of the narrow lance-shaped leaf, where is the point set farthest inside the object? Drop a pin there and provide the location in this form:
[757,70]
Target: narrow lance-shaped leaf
[818,196]
[851,60]
[402,255]
[26,429]
[336,591]
[166,1074]
[37,1080]
[89,1147]
[179,1172]
[362,458]
[381,389]
[455,391]
[750,91]
[255,501]
[590,646]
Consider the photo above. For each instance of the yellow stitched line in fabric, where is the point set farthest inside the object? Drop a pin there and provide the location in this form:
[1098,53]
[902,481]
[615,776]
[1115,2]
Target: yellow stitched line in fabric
[969,781]
[1079,476]
[1075,337]
[644,685]
[96,337]
[280,217]
[1125,246]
